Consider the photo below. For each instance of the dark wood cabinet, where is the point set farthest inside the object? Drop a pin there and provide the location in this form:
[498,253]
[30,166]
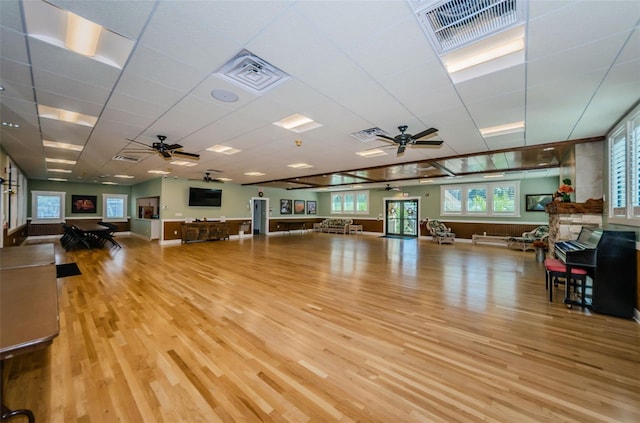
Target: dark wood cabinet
[204,231]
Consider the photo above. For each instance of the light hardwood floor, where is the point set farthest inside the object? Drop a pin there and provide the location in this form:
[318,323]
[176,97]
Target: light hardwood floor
[323,328]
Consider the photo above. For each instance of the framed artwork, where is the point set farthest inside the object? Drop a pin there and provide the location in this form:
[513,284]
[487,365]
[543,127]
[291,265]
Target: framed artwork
[311,207]
[286,206]
[536,202]
[83,203]
[298,206]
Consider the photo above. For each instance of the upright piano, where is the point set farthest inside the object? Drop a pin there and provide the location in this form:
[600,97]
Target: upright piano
[610,260]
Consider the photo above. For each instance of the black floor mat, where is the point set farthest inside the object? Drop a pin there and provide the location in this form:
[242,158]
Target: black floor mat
[398,237]
[68,269]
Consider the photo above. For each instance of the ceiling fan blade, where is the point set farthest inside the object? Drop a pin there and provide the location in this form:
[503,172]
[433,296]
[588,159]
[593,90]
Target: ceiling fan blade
[172,146]
[164,154]
[424,133]
[386,137]
[435,142]
[185,154]
[401,149]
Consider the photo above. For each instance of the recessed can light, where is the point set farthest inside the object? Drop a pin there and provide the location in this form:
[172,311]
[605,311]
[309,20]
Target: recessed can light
[224,95]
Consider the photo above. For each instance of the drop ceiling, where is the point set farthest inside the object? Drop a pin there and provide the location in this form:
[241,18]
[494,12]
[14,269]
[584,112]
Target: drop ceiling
[351,66]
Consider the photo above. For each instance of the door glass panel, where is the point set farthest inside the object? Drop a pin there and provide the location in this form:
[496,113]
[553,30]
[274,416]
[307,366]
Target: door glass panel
[402,217]
[410,224]
[394,221]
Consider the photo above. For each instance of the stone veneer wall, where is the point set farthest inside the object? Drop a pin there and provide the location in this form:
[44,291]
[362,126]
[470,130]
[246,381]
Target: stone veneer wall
[567,219]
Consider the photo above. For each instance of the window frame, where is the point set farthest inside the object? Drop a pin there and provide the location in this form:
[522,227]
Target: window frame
[62,196]
[627,129]
[105,200]
[343,200]
[488,188]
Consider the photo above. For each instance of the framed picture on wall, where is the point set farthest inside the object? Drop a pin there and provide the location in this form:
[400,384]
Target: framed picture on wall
[83,203]
[286,206]
[536,202]
[311,207]
[298,206]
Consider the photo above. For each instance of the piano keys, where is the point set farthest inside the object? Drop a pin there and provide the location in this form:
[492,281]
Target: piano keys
[610,260]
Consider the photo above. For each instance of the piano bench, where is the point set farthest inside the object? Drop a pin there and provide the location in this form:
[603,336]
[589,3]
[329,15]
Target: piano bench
[555,269]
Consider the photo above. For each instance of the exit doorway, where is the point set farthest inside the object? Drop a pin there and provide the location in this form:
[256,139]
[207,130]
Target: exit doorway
[401,217]
[259,211]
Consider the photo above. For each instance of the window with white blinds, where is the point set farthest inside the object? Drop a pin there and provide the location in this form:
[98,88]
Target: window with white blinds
[624,170]
[350,202]
[618,154]
[496,199]
[635,154]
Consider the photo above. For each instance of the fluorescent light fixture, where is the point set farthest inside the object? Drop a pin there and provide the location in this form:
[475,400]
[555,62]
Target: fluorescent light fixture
[507,128]
[66,116]
[63,145]
[548,149]
[371,153]
[254,174]
[62,161]
[57,179]
[426,181]
[109,183]
[82,35]
[124,176]
[59,170]
[485,56]
[223,179]
[297,123]
[183,163]
[495,175]
[223,149]
[300,166]
[159,172]
[356,186]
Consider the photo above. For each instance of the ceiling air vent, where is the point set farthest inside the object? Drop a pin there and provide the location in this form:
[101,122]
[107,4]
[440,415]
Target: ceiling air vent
[252,73]
[131,159]
[370,134]
[454,23]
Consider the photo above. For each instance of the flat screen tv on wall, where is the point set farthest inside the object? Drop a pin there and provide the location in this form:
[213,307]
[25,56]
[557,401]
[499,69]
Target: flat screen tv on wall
[205,197]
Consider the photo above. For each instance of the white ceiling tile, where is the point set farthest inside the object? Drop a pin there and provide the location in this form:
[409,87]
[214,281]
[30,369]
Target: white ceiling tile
[13,46]
[164,70]
[79,91]
[356,21]
[122,17]
[71,65]
[287,39]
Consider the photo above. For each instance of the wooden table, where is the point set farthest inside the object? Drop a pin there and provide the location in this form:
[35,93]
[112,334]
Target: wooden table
[94,233]
[28,305]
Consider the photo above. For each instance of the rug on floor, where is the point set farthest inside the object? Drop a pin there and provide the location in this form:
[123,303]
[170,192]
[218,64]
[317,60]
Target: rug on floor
[67,269]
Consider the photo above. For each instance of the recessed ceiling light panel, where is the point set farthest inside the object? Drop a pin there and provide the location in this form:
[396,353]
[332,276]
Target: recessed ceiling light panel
[297,123]
[372,153]
[62,145]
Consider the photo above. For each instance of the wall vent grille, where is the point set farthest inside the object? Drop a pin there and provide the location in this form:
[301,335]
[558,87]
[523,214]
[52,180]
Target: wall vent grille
[455,23]
[252,73]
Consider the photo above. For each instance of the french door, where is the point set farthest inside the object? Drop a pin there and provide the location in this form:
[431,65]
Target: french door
[401,217]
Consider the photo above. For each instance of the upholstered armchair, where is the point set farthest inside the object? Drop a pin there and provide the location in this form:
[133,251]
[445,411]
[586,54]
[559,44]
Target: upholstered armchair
[440,232]
[525,242]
